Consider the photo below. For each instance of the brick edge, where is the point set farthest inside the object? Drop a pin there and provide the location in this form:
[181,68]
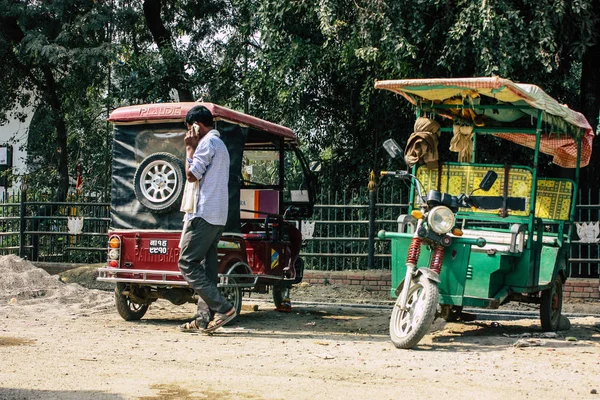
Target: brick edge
[381,281]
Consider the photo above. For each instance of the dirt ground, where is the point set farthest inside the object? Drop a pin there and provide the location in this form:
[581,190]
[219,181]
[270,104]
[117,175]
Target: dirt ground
[64,341]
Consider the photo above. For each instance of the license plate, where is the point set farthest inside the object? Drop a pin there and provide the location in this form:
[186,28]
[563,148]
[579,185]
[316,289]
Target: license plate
[158,246]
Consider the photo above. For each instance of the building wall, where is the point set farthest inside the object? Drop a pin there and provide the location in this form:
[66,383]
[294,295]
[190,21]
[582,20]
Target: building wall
[15,133]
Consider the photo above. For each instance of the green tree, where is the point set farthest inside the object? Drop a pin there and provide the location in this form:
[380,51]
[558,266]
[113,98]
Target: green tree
[321,59]
[171,49]
[74,61]
[589,102]
[55,56]
[305,64]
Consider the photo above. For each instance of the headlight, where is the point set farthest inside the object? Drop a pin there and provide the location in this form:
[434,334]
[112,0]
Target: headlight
[441,220]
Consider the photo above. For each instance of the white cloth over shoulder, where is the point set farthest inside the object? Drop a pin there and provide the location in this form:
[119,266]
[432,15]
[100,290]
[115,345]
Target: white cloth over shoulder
[189,201]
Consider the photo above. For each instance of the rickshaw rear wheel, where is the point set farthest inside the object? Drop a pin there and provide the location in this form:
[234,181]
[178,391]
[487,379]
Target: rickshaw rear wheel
[407,327]
[551,305]
[127,309]
[233,295]
[281,293]
[451,313]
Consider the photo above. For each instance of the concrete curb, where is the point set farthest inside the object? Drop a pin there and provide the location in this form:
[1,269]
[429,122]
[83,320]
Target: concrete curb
[482,314]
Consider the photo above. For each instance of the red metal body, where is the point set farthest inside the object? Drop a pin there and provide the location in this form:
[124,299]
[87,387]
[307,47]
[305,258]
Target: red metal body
[268,256]
[152,113]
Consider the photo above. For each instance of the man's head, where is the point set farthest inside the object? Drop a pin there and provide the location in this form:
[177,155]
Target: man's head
[200,115]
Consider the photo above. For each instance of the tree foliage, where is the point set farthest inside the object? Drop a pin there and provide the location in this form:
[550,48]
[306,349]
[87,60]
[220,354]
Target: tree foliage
[54,57]
[350,44]
[310,65]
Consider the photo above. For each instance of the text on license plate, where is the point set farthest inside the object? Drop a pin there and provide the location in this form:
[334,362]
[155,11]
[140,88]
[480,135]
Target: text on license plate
[158,246]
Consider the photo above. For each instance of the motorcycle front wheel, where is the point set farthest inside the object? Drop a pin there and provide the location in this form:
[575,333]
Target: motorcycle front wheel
[407,327]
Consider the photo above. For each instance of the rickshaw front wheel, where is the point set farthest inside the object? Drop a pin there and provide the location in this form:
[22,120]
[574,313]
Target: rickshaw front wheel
[127,309]
[551,306]
[407,327]
[281,295]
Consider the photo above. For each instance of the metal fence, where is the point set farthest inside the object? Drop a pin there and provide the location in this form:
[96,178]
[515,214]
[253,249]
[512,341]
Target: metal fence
[340,239]
[341,236]
[38,230]
[42,230]
[585,254]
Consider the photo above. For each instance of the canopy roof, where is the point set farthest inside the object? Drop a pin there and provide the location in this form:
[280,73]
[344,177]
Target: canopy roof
[176,112]
[562,126]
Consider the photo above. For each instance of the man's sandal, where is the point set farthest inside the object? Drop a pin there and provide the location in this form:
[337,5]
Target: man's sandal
[191,327]
[285,306]
[219,320]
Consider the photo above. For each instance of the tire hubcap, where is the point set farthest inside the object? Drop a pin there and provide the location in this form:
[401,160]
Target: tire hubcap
[413,313]
[159,181]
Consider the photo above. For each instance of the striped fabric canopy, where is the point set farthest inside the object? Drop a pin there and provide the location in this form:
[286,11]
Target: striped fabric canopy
[561,124]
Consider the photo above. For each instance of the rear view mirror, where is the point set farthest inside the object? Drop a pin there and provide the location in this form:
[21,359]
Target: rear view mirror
[488,181]
[393,149]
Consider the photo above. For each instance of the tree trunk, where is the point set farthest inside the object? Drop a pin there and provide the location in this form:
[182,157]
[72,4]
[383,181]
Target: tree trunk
[162,38]
[62,155]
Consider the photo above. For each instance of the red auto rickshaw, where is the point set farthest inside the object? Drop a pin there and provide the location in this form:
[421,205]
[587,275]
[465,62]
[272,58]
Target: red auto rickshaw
[271,190]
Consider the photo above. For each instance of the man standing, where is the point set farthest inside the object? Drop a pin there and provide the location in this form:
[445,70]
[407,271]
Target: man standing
[207,163]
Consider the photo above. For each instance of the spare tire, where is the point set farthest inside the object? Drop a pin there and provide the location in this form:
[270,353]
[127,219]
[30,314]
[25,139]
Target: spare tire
[158,182]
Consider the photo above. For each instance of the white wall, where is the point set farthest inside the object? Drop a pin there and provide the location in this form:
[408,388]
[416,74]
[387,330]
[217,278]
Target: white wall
[15,133]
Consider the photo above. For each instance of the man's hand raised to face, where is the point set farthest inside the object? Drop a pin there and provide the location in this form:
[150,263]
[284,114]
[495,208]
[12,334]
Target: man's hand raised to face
[191,139]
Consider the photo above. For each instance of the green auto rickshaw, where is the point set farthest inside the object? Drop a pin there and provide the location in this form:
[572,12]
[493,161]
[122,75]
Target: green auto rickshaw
[479,234]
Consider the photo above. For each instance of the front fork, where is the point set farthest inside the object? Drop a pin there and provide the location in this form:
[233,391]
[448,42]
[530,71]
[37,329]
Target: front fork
[412,258]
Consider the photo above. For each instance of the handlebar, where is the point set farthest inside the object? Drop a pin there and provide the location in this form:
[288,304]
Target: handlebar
[462,200]
[291,211]
[465,201]
[404,175]
[398,174]
[479,242]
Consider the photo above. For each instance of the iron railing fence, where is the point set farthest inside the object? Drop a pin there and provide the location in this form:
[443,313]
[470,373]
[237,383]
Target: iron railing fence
[42,230]
[340,239]
[341,236]
[585,252]
[38,230]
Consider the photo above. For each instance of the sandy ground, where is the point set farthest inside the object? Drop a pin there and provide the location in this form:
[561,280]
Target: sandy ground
[64,341]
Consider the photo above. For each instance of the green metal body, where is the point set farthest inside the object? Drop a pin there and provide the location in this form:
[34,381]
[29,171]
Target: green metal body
[474,277]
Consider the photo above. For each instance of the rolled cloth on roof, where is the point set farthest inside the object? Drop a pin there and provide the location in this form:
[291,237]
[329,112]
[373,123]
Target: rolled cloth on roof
[422,144]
